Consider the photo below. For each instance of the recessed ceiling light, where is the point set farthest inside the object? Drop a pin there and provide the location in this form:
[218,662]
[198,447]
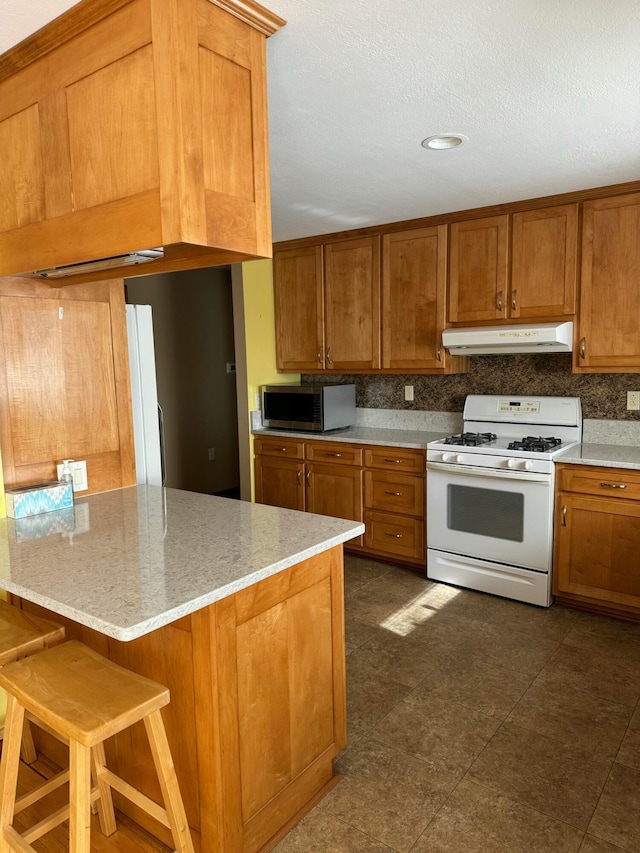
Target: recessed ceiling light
[444,140]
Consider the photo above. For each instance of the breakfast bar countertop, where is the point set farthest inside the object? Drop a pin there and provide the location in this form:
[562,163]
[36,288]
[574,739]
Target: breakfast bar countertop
[129,561]
[605,455]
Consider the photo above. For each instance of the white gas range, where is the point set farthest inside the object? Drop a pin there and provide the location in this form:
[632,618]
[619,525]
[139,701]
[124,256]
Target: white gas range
[490,495]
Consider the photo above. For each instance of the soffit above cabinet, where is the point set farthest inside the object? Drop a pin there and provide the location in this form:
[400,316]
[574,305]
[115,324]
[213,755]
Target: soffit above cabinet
[129,125]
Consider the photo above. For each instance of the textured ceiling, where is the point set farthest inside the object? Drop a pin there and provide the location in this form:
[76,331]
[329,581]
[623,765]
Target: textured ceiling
[548,92]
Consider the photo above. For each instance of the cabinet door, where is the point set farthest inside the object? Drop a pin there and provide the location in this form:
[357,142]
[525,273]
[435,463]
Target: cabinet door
[352,304]
[334,490]
[608,327]
[413,298]
[297,279]
[478,278]
[543,275]
[597,547]
[279,482]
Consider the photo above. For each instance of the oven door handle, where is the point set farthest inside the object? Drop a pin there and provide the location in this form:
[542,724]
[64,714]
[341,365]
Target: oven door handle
[489,473]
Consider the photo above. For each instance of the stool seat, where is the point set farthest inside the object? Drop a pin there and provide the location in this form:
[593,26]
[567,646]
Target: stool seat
[22,634]
[80,694]
[83,698]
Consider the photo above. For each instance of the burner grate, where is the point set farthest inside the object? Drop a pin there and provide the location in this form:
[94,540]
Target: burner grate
[535,444]
[471,439]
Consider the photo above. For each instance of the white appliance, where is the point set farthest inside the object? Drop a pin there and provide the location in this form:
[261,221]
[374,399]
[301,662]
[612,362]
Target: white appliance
[147,414]
[498,340]
[490,495]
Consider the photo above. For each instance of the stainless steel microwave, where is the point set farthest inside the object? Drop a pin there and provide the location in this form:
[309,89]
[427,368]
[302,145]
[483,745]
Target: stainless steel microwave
[317,408]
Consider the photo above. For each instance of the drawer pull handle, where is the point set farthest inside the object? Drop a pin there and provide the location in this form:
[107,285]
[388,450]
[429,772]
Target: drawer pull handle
[394,535]
[499,301]
[583,348]
[394,494]
[308,478]
[439,353]
[299,478]
[319,355]
[394,461]
[335,455]
[329,356]
[613,485]
[281,449]
[514,300]
[564,515]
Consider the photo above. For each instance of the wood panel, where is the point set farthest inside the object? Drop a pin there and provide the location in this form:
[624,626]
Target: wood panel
[21,176]
[109,113]
[334,452]
[396,459]
[64,383]
[603,482]
[280,482]
[334,490]
[299,309]
[607,338]
[596,549]
[478,270]
[395,535]
[544,262]
[352,304]
[284,448]
[413,298]
[391,492]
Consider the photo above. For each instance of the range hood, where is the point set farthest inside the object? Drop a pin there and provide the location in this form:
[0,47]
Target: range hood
[499,340]
[144,256]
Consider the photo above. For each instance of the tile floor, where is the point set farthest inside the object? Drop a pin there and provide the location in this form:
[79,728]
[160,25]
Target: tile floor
[481,725]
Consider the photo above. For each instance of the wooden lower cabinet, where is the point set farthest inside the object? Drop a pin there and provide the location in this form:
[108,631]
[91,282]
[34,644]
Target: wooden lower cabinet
[257,711]
[597,539]
[382,486]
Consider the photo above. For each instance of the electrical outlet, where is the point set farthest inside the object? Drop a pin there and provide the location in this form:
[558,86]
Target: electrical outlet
[212,454]
[633,401]
[79,471]
[408,393]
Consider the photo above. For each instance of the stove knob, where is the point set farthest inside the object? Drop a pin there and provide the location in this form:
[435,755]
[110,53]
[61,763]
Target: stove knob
[527,466]
[459,459]
[447,457]
[511,463]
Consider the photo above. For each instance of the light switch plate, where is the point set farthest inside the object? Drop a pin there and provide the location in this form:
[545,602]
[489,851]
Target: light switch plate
[79,471]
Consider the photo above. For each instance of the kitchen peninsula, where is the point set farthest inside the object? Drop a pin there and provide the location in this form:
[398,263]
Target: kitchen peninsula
[238,609]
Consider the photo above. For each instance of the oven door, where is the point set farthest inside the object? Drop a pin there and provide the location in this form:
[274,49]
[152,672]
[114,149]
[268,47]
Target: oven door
[497,515]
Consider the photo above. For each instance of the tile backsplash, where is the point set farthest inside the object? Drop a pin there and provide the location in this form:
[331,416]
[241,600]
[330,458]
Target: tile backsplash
[603,395]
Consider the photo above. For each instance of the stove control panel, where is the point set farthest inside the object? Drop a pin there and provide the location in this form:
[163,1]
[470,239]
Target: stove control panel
[519,407]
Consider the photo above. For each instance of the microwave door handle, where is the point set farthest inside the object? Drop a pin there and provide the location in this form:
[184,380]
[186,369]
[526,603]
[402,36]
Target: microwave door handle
[488,473]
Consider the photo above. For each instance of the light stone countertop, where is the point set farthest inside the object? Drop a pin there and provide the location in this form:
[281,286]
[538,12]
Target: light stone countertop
[363,435]
[141,557]
[607,455]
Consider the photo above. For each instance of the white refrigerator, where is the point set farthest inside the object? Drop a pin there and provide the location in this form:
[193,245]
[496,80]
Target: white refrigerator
[147,414]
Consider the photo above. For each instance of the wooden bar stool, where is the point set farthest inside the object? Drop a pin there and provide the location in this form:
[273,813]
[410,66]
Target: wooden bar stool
[83,698]
[21,635]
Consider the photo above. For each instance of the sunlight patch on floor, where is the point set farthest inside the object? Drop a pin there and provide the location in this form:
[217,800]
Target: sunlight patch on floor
[419,610]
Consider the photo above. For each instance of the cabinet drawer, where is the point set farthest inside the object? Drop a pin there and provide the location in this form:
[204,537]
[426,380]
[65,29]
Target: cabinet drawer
[283,447]
[395,459]
[394,534]
[333,452]
[391,492]
[604,482]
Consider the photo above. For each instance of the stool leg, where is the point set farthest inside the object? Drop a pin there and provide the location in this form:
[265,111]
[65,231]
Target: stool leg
[168,782]
[105,803]
[9,766]
[28,749]
[79,798]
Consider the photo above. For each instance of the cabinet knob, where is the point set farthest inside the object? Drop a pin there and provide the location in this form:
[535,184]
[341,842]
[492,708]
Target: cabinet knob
[613,485]
[583,348]
[514,300]
[499,303]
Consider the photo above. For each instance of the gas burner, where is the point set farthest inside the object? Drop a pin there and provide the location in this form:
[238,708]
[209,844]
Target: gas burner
[534,444]
[471,439]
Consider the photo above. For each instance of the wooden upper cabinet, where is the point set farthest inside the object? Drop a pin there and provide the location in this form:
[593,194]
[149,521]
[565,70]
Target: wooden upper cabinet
[298,288]
[413,299]
[608,336]
[544,260]
[352,304]
[135,124]
[478,272]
